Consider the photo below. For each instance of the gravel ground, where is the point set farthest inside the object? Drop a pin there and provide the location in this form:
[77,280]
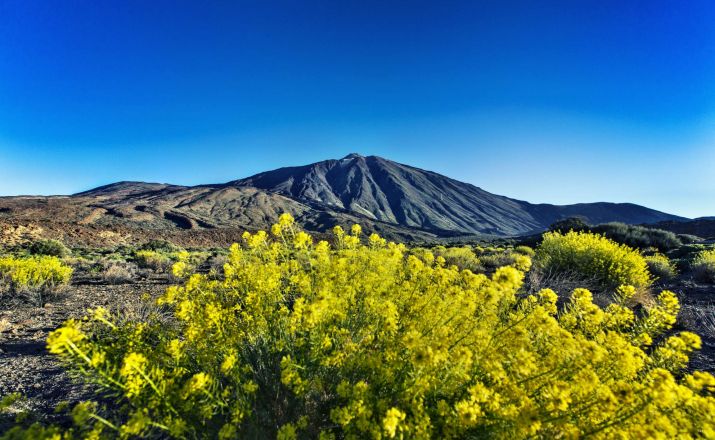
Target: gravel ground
[25,365]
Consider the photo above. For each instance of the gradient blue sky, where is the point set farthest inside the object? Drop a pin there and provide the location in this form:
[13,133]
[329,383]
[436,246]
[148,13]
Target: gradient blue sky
[549,101]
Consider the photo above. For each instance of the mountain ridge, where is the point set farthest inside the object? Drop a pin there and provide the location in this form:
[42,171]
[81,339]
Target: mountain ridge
[414,197]
[398,201]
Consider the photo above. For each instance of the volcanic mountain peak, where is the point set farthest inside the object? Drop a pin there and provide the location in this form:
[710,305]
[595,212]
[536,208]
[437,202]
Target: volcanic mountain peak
[392,192]
[398,201]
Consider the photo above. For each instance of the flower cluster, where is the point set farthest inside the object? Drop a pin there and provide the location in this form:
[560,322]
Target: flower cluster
[593,256]
[308,340]
[34,273]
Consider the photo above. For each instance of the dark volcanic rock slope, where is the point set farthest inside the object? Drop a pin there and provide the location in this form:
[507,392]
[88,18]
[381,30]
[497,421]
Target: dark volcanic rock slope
[396,200]
[388,191]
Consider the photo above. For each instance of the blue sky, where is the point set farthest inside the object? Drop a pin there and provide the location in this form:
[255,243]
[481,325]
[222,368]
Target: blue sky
[557,101]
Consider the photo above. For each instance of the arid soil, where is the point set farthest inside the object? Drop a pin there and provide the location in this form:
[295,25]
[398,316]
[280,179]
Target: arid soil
[25,365]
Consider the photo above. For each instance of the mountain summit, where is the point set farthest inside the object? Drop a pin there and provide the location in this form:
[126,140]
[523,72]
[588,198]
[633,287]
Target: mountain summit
[398,201]
[391,192]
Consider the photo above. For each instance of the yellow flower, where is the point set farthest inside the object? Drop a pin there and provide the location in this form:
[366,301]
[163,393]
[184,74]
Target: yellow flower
[392,420]
[228,363]
[65,338]
[133,363]
[302,240]
[355,230]
[198,382]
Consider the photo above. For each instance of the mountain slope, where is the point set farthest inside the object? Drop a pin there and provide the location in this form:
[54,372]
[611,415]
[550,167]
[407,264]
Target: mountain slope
[398,201]
[388,191]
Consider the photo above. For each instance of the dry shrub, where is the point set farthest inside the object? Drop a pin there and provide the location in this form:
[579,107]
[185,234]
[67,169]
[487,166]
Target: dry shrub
[119,272]
[5,325]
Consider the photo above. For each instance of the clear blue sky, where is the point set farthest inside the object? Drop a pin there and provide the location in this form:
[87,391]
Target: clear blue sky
[550,101]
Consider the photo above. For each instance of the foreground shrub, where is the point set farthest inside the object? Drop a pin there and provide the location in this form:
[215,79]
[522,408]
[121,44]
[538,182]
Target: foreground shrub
[661,267]
[703,266]
[34,274]
[301,340]
[50,247]
[592,257]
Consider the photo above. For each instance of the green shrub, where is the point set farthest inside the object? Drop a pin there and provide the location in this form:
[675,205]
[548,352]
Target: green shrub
[631,235]
[162,246]
[661,267]
[462,257]
[148,259]
[569,224]
[703,266]
[525,250]
[593,257]
[50,247]
[638,236]
[689,239]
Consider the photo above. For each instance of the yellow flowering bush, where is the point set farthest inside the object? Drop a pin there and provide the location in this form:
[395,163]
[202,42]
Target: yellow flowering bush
[34,274]
[704,265]
[592,256]
[363,339]
[660,266]
[462,257]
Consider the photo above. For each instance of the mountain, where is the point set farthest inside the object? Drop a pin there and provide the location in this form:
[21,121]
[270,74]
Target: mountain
[395,193]
[396,200]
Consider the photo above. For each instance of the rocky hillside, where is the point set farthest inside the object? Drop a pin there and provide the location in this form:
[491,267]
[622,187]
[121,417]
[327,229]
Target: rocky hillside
[396,200]
[400,194]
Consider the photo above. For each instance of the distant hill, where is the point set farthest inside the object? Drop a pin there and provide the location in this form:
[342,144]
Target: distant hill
[398,201]
[703,227]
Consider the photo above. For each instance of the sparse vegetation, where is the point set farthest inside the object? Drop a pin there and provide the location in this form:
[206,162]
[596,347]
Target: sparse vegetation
[35,275]
[661,267]
[304,340]
[703,266]
[49,247]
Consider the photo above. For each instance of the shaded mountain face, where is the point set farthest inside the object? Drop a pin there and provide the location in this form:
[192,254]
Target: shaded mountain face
[391,192]
[398,201]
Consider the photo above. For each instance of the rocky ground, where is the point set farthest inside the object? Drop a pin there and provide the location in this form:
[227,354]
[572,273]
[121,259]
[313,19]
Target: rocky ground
[697,314]
[25,365]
